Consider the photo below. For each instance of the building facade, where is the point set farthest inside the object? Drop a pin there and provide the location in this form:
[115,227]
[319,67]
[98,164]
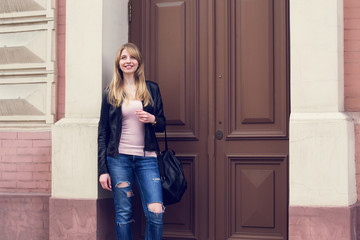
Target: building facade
[57,57]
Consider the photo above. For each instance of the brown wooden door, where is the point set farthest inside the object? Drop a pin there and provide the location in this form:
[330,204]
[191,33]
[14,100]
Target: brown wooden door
[222,67]
[168,33]
[252,103]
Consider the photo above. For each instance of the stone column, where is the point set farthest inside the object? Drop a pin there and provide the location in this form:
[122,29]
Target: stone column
[78,206]
[322,165]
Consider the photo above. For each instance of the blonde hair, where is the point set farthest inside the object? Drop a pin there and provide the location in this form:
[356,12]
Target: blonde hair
[117,93]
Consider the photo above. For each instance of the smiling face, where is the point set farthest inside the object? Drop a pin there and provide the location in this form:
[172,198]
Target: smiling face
[128,64]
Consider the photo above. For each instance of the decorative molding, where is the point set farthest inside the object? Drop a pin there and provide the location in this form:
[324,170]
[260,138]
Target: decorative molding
[257,186]
[27,68]
[172,63]
[257,99]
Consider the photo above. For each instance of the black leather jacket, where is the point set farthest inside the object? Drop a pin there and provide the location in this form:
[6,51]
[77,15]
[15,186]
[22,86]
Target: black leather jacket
[110,124]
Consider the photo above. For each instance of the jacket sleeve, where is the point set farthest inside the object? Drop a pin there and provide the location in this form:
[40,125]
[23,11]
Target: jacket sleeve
[160,124]
[103,135]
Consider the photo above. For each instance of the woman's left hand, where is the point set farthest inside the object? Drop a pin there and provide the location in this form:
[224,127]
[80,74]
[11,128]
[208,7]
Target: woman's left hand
[145,117]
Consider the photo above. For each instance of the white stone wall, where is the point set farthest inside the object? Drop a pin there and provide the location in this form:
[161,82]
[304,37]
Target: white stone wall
[322,158]
[27,60]
[94,32]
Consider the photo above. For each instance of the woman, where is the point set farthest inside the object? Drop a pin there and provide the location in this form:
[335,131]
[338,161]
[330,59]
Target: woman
[131,113]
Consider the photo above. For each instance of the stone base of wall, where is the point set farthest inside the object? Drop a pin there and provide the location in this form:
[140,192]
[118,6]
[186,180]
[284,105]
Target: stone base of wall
[87,219]
[328,223]
[24,216]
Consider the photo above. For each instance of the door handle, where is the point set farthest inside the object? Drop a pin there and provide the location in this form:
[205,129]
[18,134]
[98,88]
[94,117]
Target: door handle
[219,134]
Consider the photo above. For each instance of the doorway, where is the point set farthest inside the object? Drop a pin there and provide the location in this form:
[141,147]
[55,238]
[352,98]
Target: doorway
[223,70]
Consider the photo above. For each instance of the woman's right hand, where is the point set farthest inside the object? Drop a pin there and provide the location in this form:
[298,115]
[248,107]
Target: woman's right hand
[105,181]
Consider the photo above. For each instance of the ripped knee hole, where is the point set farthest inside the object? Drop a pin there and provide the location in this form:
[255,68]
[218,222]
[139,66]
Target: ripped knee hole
[156,207]
[124,185]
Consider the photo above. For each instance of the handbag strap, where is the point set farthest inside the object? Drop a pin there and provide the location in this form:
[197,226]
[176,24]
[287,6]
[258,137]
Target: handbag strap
[166,144]
[161,160]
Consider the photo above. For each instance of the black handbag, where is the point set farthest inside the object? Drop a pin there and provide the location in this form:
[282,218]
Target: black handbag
[172,176]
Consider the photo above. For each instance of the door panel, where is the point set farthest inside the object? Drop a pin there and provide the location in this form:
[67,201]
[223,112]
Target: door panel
[179,218]
[178,222]
[172,62]
[257,80]
[222,67]
[252,68]
[255,197]
[167,33]
[252,109]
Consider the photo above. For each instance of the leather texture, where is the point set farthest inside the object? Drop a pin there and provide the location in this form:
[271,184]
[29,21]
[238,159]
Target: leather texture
[109,128]
[173,179]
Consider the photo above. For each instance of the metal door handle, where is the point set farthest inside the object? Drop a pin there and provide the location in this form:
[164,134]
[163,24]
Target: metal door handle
[219,134]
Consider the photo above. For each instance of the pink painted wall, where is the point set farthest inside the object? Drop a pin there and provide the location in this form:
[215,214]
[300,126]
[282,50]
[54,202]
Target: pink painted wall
[352,54]
[25,165]
[24,216]
[352,70]
[25,185]
[25,162]
[322,223]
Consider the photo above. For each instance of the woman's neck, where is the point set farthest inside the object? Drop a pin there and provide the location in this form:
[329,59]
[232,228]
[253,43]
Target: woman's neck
[129,80]
[130,86]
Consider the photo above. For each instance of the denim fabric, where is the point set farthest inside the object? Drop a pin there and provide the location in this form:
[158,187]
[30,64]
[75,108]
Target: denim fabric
[122,168]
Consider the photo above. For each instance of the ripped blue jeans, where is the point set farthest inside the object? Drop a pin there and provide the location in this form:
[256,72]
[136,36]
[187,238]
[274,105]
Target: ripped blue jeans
[122,168]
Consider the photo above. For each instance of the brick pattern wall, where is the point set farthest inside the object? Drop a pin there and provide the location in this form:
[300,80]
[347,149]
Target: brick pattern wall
[61,29]
[25,162]
[352,55]
[25,185]
[352,72]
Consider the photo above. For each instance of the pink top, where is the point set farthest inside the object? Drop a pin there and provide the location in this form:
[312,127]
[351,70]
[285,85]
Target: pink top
[133,132]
